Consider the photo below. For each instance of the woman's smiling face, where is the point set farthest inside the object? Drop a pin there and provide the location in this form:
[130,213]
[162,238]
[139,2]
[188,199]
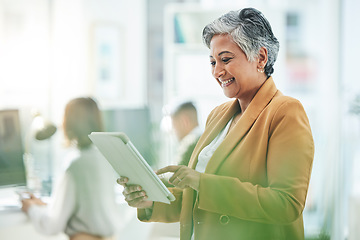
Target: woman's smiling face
[237,76]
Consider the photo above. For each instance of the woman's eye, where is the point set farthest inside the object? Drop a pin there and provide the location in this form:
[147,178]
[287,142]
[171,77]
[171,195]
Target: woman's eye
[212,63]
[225,60]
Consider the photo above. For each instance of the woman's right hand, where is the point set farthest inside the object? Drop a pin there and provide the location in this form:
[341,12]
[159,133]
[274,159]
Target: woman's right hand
[28,202]
[134,195]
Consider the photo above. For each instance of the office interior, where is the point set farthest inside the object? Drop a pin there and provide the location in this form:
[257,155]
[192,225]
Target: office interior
[138,57]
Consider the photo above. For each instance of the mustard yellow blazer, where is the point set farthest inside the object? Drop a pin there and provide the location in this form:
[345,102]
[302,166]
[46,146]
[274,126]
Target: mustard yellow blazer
[255,184]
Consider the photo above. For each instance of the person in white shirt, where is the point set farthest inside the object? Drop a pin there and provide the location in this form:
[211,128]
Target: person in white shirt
[83,203]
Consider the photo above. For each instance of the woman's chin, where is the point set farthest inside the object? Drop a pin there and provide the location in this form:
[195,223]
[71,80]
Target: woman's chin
[228,94]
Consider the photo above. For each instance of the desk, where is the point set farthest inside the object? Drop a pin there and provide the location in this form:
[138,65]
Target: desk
[354,219]
[15,225]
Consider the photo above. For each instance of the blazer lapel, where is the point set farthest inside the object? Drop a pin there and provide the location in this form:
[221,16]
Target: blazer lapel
[215,127]
[256,106]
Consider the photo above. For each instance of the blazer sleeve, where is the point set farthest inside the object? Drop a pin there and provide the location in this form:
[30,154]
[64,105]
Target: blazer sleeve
[163,212]
[289,161]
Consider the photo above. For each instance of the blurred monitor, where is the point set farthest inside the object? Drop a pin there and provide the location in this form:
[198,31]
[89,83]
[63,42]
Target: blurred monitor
[137,126]
[12,169]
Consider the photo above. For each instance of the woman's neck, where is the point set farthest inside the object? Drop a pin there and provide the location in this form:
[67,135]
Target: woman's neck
[244,102]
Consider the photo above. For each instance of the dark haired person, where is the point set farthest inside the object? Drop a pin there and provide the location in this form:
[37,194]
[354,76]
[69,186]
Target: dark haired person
[249,173]
[83,202]
[186,126]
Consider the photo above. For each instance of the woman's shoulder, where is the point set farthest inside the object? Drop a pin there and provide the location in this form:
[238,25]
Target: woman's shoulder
[285,101]
[83,157]
[286,105]
[90,161]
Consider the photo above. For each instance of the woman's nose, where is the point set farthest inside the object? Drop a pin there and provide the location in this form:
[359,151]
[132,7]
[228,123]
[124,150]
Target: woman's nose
[218,71]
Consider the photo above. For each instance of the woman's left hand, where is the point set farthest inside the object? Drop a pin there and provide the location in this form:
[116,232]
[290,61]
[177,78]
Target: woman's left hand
[183,176]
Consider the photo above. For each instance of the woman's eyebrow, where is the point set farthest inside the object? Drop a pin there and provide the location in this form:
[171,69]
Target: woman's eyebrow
[223,52]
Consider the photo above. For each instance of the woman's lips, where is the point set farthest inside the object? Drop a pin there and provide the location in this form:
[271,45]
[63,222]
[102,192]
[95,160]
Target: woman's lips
[226,82]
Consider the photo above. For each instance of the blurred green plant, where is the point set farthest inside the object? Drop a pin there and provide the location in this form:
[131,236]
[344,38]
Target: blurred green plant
[322,236]
[355,105]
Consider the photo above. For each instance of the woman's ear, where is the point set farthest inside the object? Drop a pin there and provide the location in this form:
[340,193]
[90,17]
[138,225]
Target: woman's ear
[263,57]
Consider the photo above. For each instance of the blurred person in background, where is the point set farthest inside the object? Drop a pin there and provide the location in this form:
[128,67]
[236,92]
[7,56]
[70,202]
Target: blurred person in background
[185,123]
[83,203]
[249,174]
[184,119]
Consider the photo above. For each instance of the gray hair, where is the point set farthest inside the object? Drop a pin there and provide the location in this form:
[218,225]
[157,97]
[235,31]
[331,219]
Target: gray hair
[250,30]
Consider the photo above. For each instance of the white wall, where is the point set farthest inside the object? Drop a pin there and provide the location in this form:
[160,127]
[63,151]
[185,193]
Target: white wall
[75,23]
[48,56]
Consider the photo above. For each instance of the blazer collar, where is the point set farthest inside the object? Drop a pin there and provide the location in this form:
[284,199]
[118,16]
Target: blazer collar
[256,106]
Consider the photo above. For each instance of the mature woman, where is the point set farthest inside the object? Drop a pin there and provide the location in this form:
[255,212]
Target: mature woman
[83,203]
[249,173]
